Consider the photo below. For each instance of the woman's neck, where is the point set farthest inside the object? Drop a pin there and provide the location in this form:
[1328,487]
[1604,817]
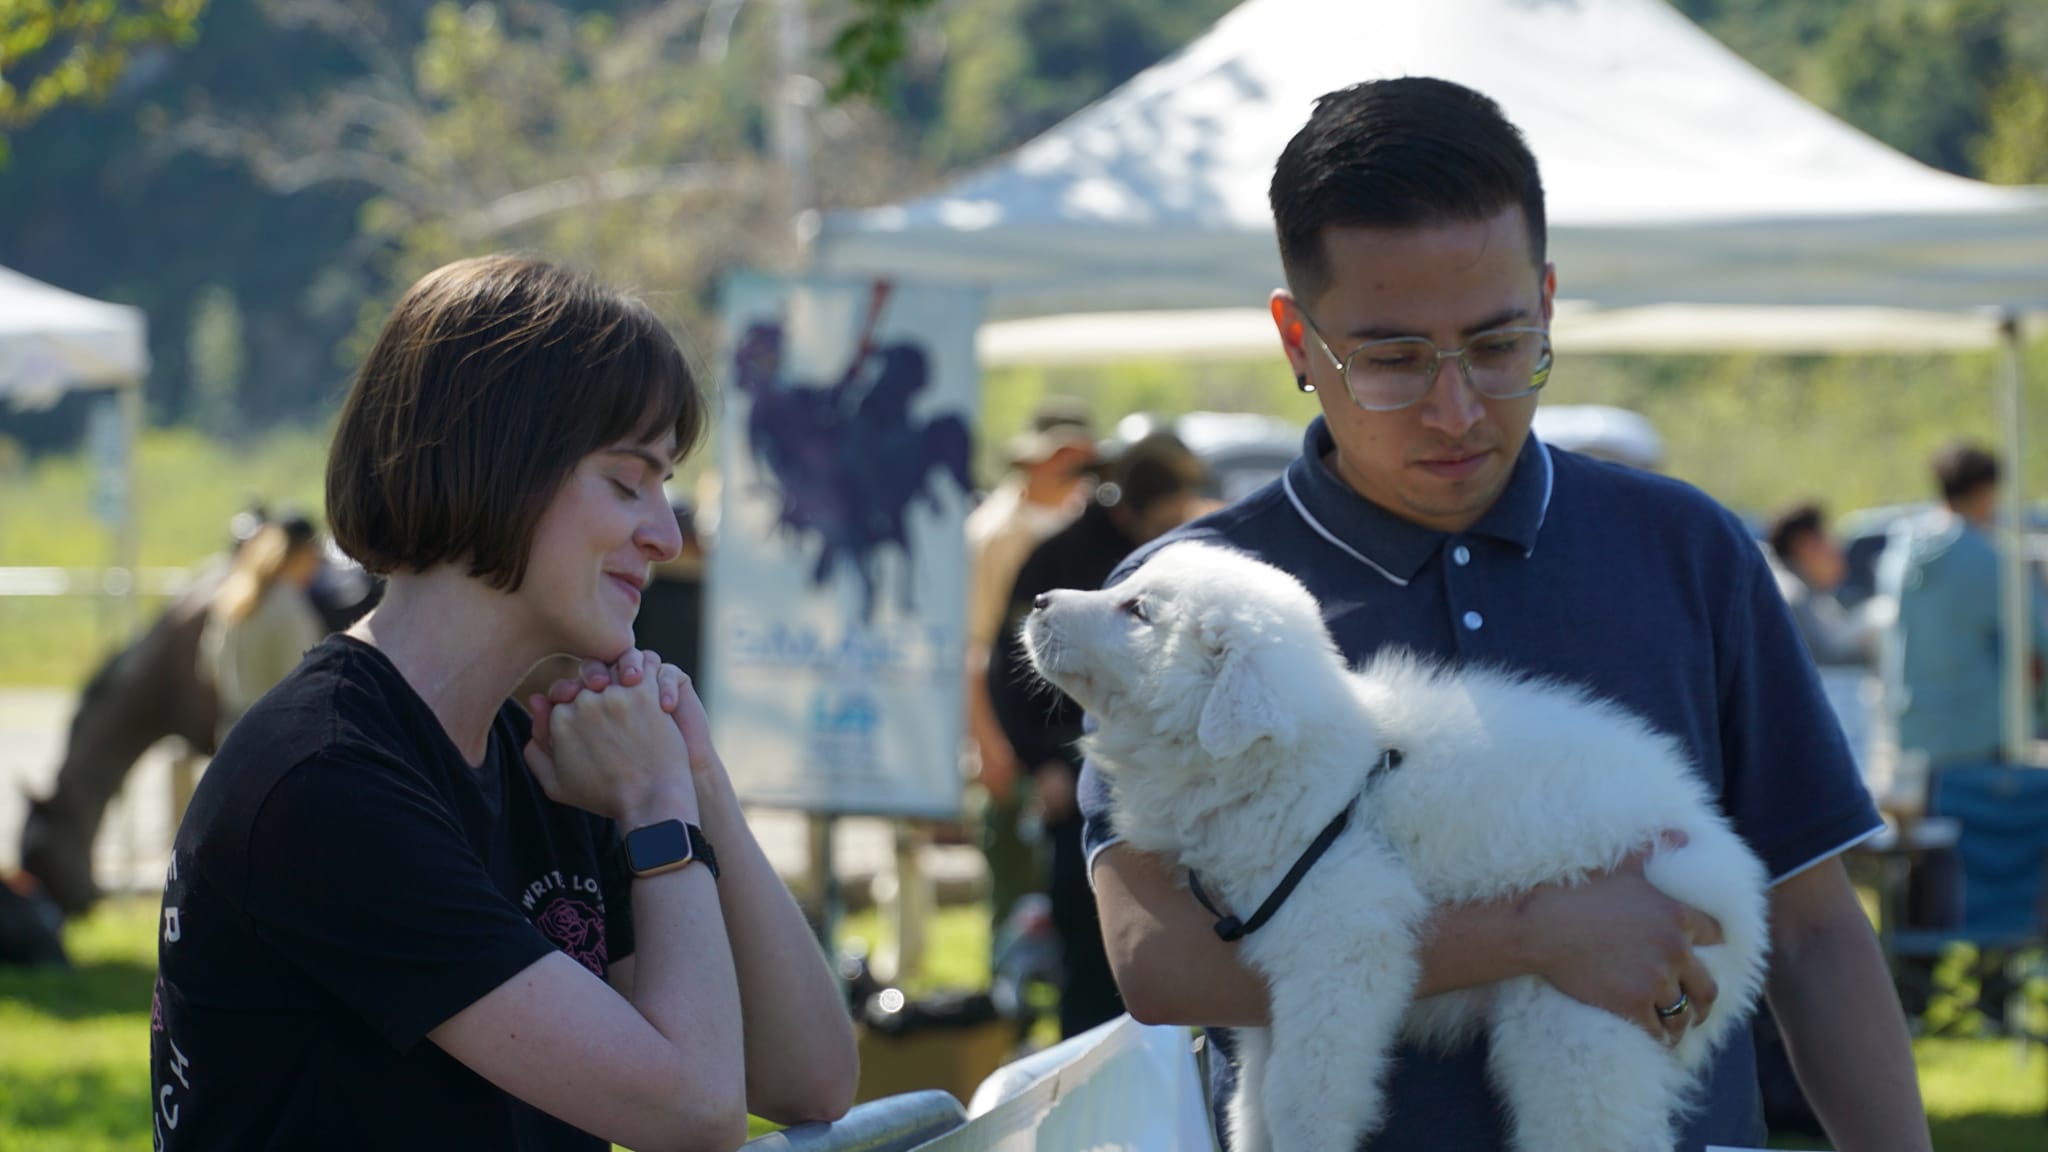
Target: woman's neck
[452,637]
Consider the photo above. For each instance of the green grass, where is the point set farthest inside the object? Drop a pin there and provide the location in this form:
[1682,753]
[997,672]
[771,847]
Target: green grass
[74,1047]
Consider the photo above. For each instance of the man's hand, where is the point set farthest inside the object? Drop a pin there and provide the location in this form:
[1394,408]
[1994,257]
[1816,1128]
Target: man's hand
[1055,783]
[1618,943]
[999,767]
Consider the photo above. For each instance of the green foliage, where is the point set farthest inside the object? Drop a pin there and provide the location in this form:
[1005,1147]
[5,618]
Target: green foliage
[60,51]
[2014,149]
[531,127]
[1013,68]
[217,361]
[870,45]
[1919,75]
[1927,77]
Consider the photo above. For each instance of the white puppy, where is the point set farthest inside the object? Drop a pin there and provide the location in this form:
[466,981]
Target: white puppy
[1233,734]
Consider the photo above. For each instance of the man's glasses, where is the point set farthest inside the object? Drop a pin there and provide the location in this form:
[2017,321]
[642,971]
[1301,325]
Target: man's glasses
[1388,375]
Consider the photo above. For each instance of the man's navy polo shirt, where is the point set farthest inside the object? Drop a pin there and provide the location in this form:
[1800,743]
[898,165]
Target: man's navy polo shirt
[1635,586]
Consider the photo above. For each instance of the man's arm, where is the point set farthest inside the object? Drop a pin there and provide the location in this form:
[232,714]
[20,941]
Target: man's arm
[1832,995]
[1613,941]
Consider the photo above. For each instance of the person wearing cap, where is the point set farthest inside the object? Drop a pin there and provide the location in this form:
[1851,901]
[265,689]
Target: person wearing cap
[1152,487]
[1042,493]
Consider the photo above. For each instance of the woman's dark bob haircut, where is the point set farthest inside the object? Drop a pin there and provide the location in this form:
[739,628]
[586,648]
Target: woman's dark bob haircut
[491,380]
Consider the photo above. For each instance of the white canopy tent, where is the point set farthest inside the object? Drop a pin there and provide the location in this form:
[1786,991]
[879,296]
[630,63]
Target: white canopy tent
[1674,172]
[1693,201]
[53,342]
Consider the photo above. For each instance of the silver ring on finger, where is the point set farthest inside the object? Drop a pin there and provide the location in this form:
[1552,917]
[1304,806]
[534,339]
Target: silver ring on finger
[1676,1009]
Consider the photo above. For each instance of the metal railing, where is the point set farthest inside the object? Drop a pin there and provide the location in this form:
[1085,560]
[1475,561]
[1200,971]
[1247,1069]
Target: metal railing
[891,1124]
[93,581]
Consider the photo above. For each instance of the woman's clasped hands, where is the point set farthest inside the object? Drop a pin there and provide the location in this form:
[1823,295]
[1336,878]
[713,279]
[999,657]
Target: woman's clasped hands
[621,739]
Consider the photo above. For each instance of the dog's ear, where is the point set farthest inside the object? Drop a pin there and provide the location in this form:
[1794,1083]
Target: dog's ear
[1244,706]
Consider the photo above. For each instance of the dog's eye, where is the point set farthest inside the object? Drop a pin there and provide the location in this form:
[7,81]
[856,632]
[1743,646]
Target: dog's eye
[1134,607]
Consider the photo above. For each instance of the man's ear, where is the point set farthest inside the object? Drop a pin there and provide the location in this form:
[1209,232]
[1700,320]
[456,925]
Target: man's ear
[1293,333]
[1244,706]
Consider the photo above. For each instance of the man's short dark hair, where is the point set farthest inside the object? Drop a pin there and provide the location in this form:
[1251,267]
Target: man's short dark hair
[1154,469]
[1409,153]
[1792,525]
[492,378]
[1962,468]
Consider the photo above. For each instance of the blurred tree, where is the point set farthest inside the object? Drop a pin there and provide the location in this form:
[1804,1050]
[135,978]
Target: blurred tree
[1932,78]
[634,143]
[1919,74]
[218,356]
[987,75]
[2014,148]
[1774,35]
[58,51]
[870,45]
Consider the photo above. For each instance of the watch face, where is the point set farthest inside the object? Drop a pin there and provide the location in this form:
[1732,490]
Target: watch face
[656,845]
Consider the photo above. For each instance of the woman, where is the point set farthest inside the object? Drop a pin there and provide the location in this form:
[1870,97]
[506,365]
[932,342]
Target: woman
[386,928]
[260,622]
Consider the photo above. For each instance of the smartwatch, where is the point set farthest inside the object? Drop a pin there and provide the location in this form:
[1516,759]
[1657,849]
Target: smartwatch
[667,846]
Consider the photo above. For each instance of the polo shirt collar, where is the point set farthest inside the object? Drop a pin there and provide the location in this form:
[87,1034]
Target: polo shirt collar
[1396,548]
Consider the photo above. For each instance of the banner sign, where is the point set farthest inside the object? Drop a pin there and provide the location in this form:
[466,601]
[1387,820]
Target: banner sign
[838,576]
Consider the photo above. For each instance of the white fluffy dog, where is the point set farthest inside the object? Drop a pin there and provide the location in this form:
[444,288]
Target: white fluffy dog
[1233,733]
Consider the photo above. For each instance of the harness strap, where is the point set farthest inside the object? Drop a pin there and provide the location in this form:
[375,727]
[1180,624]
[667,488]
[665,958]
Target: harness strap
[1230,928]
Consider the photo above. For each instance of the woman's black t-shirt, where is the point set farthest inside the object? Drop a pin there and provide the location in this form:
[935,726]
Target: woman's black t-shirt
[342,884]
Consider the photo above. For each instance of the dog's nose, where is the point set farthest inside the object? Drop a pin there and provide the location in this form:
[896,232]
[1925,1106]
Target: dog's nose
[1042,601]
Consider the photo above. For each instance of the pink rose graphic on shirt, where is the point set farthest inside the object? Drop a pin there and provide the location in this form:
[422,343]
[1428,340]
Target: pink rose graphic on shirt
[576,928]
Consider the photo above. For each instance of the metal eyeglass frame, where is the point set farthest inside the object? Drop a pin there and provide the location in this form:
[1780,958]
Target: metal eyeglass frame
[1539,378]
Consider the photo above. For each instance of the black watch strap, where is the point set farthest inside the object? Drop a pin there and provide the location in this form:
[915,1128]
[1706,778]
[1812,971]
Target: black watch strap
[665,846]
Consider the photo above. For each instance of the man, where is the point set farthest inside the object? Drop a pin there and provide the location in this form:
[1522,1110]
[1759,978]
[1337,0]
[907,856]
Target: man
[1943,657]
[1811,567]
[1156,486]
[1049,464]
[1422,514]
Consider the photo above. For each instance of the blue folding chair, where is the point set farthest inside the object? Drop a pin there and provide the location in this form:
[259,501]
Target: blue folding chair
[2001,848]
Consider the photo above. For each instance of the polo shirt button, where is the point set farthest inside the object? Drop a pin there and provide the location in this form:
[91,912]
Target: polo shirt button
[1473,620]
[1461,555]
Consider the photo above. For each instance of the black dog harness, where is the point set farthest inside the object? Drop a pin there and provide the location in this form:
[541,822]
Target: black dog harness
[1230,928]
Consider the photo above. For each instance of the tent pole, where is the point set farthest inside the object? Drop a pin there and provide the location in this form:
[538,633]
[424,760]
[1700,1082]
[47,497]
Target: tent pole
[129,549]
[2016,608]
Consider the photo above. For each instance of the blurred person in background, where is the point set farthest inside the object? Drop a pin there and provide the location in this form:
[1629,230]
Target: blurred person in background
[1943,662]
[671,619]
[1048,480]
[1810,568]
[403,912]
[261,622]
[1153,487]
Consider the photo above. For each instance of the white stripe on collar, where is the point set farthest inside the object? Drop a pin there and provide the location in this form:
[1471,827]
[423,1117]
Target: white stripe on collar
[1287,482]
[1542,513]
